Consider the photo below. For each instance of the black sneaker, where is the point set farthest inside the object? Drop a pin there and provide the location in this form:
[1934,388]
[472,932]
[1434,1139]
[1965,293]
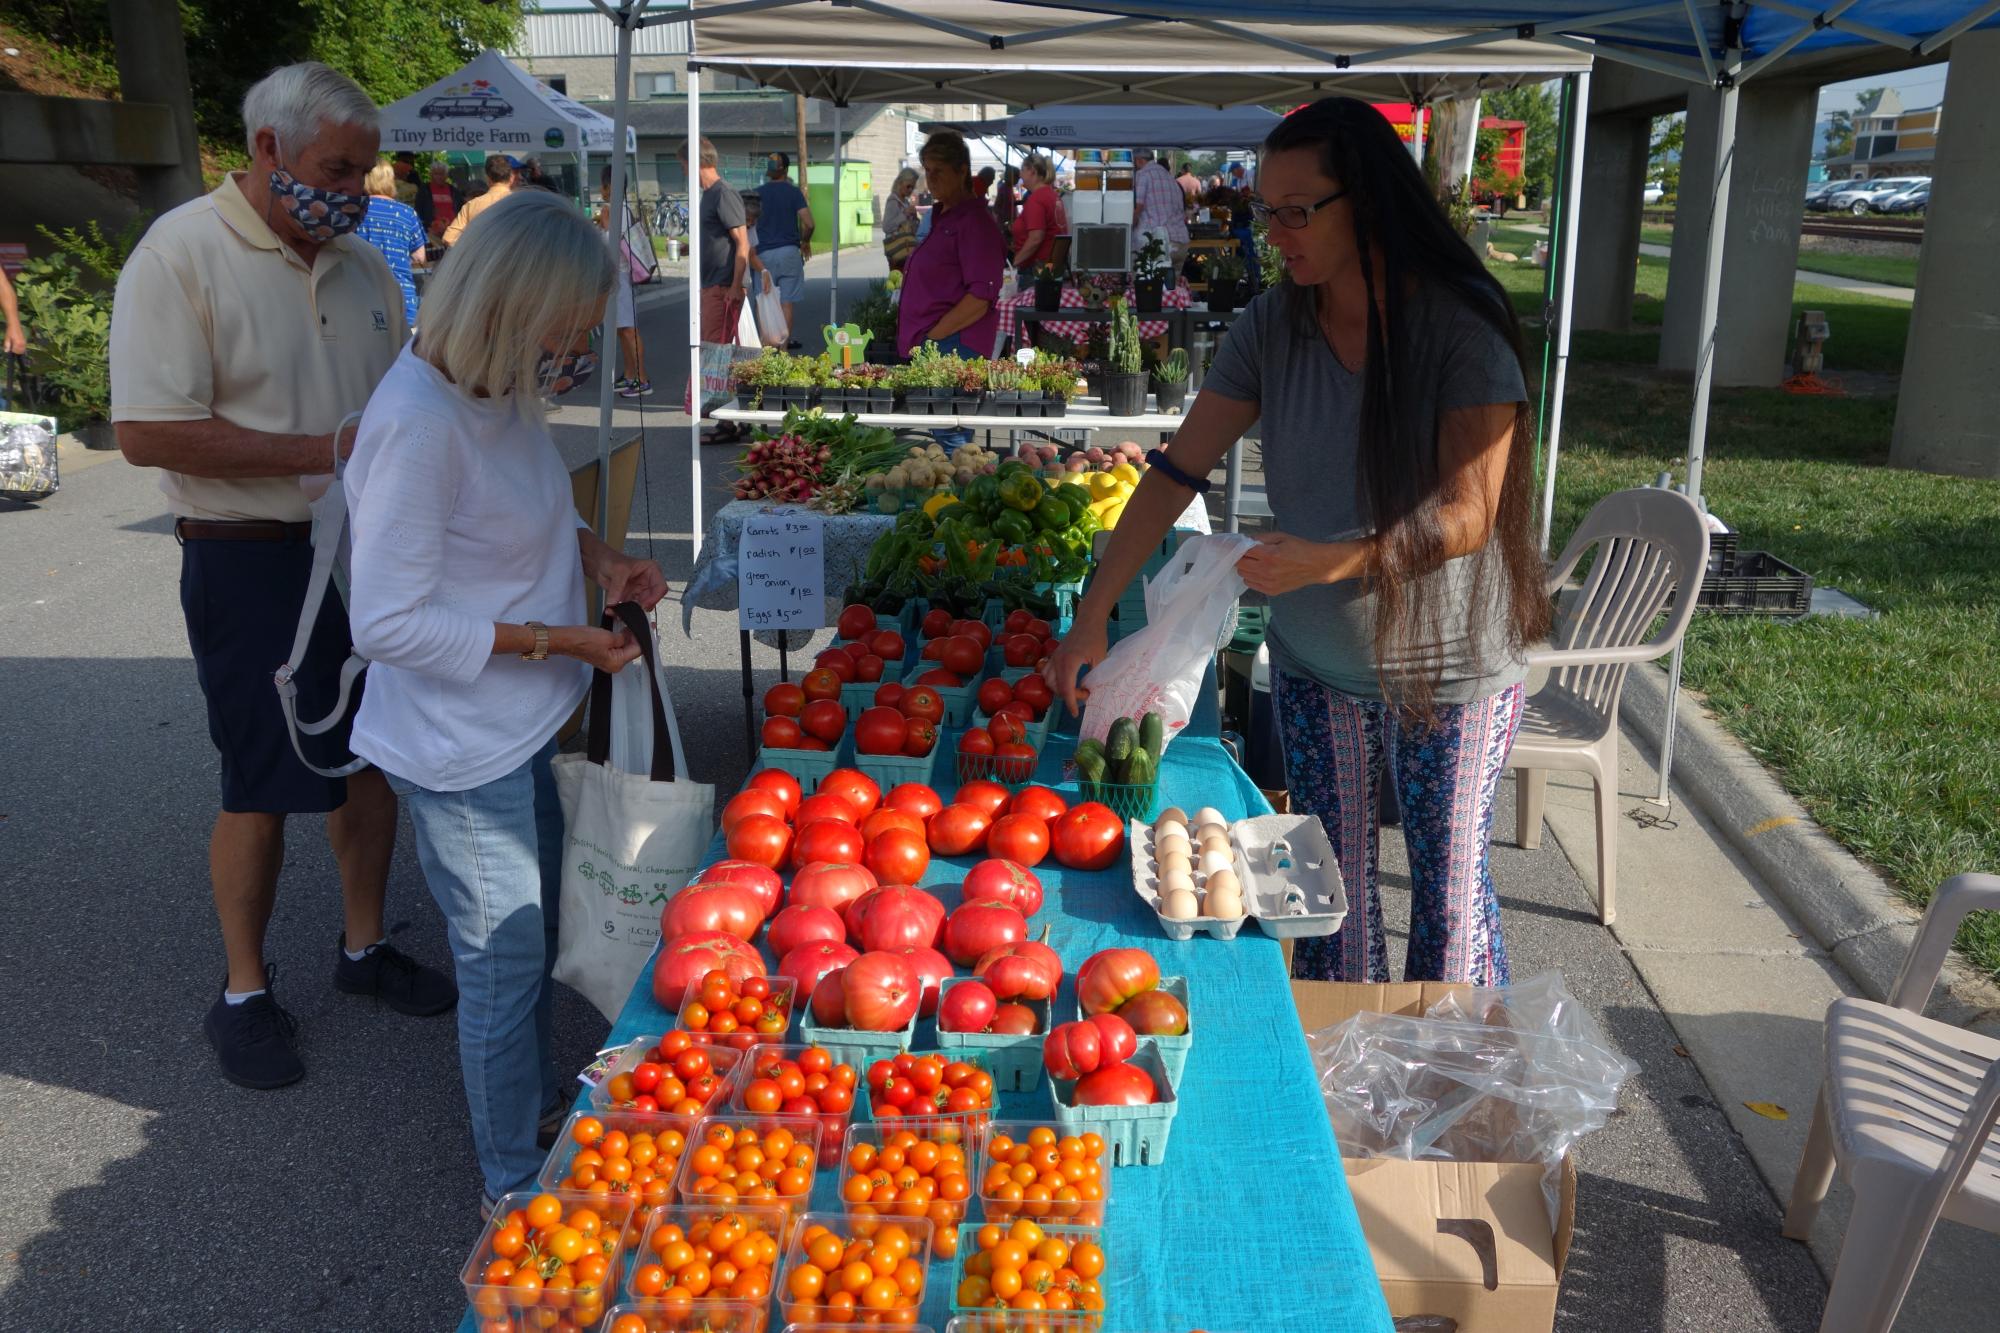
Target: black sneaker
[256,1041]
[549,1128]
[395,978]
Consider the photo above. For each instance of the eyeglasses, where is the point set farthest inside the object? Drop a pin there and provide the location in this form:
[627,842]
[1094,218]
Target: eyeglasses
[1291,216]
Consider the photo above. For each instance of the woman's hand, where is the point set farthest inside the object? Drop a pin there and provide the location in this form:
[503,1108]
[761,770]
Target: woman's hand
[1282,563]
[627,578]
[1083,647]
[606,649]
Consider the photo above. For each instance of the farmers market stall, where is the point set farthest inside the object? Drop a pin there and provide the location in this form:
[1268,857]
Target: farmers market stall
[1245,1172]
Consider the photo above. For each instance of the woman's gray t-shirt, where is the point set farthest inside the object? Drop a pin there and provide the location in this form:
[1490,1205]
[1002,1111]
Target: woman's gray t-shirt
[1311,410]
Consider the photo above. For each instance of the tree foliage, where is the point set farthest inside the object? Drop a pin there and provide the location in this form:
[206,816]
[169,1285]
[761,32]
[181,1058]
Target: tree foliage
[1839,137]
[1537,107]
[1663,154]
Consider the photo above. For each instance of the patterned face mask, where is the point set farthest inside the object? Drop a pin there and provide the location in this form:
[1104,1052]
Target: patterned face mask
[559,374]
[322,214]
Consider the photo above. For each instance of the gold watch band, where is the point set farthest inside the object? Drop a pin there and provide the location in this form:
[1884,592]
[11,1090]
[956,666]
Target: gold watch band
[540,652]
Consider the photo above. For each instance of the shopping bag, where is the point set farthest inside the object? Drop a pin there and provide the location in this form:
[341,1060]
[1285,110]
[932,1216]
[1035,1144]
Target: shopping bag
[635,827]
[1159,669]
[718,382]
[29,467]
[772,326]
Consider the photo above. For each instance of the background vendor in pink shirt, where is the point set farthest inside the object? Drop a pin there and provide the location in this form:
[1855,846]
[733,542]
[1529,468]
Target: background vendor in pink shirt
[953,278]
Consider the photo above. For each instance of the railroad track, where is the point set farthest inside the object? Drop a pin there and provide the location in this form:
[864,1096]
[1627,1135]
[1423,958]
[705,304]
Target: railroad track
[1862,231]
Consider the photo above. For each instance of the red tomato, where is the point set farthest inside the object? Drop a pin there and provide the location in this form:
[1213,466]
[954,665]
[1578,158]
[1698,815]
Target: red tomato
[828,840]
[898,856]
[761,838]
[1033,691]
[767,884]
[856,621]
[1021,838]
[781,733]
[804,923]
[856,788]
[809,963]
[855,651]
[813,743]
[836,661]
[1117,1085]
[1019,650]
[975,740]
[684,962]
[994,695]
[1042,630]
[1016,622]
[754,801]
[937,623]
[962,654]
[889,693]
[830,885]
[916,798]
[933,970]
[922,701]
[977,928]
[1040,802]
[882,992]
[1014,1020]
[919,735]
[895,916]
[888,645]
[1015,761]
[967,1007]
[868,668]
[779,781]
[824,805]
[1008,729]
[932,651]
[1003,881]
[709,907]
[784,699]
[887,818]
[1088,837]
[958,829]
[1029,970]
[824,719]
[939,678]
[988,796]
[823,683]
[879,731]
[977,629]
[1110,977]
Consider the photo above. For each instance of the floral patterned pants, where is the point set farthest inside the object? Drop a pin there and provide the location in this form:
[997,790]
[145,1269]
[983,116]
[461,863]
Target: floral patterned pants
[1446,776]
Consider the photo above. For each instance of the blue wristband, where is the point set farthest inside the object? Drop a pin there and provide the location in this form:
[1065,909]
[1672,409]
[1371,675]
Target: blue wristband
[1158,458]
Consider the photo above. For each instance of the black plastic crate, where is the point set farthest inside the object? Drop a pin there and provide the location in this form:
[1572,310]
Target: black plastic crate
[1762,585]
[1722,552]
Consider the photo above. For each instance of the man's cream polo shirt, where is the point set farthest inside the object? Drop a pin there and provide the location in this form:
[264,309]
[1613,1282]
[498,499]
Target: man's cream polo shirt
[215,317]
[473,208]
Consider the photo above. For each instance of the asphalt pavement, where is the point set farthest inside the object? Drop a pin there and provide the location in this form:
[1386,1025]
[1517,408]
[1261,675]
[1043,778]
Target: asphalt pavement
[145,1192]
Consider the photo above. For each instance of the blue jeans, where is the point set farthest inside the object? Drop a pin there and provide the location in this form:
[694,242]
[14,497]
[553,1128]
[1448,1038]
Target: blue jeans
[493,859]
[957,435]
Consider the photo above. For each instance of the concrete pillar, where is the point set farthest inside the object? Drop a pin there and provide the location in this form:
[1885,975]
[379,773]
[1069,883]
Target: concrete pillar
[1948,412]
[152,67]
[1607,244]
[1760,237]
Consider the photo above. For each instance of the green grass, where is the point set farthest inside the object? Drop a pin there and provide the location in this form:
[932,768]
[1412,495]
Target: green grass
[1884,729]
[1892,270]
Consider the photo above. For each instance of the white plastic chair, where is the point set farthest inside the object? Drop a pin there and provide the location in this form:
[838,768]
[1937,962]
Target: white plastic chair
[1650,541]
[1907,1113]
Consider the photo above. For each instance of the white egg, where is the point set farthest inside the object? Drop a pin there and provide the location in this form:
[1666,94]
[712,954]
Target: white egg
[1173,814]
[1213,861]
[1174,860]
[1174,881]
[1170,842]
[1208,814]
[1180,906]
[1223,904]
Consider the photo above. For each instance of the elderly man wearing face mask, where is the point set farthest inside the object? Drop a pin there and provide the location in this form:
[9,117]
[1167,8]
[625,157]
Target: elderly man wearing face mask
[248,324]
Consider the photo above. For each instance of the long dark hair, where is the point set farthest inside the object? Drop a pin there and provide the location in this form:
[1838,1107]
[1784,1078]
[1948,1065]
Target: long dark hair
[1398,220]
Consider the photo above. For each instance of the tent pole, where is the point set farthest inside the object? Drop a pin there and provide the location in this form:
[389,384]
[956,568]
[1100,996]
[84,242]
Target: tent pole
[833,289]
[694,307]
[612,230]
[1417,134]
[1704,365]
[1572,188]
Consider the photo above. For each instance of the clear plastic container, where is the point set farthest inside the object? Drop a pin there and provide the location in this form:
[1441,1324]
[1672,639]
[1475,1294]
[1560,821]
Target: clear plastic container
[690,1223]
[723,1059]
[986,1319]
[833,1123]
[500,1303]
[783,992]
[689,1189]
[700,1317]
[1014,1061]
[962,1131]
[1002,1207]
[669,1141]
[871,1305]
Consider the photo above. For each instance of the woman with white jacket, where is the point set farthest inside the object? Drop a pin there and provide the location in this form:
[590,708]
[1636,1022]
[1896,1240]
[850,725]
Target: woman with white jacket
[467,597]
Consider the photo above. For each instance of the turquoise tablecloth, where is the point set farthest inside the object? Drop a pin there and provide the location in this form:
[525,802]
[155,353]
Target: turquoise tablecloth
[1248,1225]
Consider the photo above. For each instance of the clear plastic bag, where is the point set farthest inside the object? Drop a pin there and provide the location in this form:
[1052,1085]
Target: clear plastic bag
[1510,1074]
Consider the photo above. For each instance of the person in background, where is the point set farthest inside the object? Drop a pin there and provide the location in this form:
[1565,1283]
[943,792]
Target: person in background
[631,348]
[499,184]
[900,220]
[758,278]
[467,602]
[16,337]
[784,235]
[982,186]
[953,278]
[393,228]
[1189,182]
[1159,207]
[724,261]
[1007,203]
[1240,217]
[247,324]
[529,174]
[1403,575]
[1041,218]
[438,203]
[405,165]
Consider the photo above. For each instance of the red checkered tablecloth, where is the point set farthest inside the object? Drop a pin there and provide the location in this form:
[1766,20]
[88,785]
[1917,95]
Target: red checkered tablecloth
[1078,329]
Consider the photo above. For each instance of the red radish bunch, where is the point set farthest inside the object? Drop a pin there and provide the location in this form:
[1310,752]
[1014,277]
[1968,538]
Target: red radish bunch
[784,468]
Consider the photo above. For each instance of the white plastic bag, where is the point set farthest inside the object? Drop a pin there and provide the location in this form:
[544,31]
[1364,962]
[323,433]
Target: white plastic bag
[635,828]
[1160,668]
[771,325]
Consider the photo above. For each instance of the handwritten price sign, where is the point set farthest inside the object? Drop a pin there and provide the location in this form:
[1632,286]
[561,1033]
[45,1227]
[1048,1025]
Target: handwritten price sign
[781,570]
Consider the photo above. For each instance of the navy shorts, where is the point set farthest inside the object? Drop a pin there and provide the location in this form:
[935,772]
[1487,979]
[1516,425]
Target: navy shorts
[242,602]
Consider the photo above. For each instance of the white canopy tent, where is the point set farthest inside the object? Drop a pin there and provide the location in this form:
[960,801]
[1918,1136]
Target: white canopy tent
[1140,127]
[492,105]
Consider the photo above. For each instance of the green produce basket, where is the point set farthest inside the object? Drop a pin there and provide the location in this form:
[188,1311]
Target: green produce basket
[958,699]
[990,1320]
[893,770]
[1013,774]
[1038,732]
[808,766]
[859,696]
[853,1046]
[1136,1135]
[1014,1061]
[1128,800]
[1173,1050]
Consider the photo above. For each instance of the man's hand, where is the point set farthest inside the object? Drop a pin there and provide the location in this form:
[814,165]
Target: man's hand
[17,340]
[805,250]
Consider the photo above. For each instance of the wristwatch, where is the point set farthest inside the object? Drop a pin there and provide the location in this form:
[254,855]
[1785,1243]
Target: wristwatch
[540,652]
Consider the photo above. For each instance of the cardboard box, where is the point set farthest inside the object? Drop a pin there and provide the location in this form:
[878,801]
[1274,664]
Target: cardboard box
[1468,1242]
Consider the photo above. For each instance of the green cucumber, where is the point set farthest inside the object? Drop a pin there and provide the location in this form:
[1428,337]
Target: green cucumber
[1121,740]
[1139,770]
[1153,737]
[1090,761]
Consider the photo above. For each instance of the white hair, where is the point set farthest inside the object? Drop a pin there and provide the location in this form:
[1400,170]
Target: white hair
[529,272]
[295,100]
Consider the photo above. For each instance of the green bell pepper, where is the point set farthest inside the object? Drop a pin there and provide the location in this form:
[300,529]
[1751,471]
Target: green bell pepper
[1020,490]
[982,495]
[1051,514]
[1013,528]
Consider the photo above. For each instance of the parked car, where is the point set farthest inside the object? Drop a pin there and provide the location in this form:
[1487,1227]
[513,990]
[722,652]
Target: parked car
[1819,189]
[1855,198]
[1913,200]
[1653,193]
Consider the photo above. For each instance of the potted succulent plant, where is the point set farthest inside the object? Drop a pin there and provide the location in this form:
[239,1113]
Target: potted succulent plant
[927,382]
[1003,388]
[835,397]
[1225,277]
[968,389]
[1170,381]
[1124,388]
[751,378]
[1048,286]
[1150,270]
[1058,381]
[871,382]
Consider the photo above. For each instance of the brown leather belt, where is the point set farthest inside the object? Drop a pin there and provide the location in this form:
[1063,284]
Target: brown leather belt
[246,530]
